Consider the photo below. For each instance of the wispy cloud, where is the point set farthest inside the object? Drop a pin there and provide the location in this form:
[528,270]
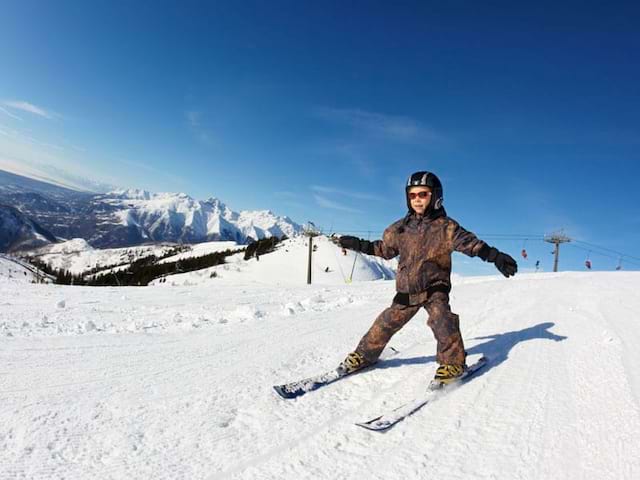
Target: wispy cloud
[7,112]
[285,195]
[344,193]
[50,173]
[326,203]
[391,127]
[25,155]
[22,137]
[27,107]
[290,199]
[156,171]
[194,120]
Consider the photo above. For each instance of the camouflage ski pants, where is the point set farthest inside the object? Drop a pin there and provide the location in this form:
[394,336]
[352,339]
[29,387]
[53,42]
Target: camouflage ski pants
[443,322]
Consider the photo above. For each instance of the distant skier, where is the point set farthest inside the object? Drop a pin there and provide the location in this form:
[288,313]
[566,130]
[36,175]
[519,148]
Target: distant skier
[424,239]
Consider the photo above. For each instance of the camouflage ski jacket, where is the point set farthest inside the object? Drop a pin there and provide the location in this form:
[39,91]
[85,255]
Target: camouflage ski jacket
[425,246]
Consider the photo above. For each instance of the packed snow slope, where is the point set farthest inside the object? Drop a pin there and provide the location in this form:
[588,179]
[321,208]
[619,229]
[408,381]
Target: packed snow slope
[289,264]
[13,270]
[175,383]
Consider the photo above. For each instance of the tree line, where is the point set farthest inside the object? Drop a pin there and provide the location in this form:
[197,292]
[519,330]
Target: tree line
[262,247]
[140,272]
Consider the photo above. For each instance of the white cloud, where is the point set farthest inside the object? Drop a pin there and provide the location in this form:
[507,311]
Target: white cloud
[28,107]
[392,127]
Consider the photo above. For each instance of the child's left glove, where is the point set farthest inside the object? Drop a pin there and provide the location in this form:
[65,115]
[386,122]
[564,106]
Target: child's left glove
[355,243]
[503,262]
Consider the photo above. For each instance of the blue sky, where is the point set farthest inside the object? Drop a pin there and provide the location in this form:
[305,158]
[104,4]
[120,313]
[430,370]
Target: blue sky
[320,110]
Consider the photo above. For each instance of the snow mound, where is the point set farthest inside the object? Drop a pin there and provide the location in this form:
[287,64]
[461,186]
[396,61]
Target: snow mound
[73,246]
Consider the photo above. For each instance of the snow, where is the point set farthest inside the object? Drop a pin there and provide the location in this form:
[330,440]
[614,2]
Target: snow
[119,383]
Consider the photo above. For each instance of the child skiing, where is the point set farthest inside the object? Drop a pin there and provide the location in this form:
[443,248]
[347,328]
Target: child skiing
[424,239]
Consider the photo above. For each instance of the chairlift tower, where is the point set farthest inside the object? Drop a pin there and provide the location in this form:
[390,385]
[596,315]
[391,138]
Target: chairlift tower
[556,239]
[310,231]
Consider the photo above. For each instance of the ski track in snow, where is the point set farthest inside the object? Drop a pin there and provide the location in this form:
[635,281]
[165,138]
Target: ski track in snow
[176,382]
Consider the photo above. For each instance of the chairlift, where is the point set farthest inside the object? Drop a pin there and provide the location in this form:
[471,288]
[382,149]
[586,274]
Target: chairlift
[524,251]
[619,267]
[587,262]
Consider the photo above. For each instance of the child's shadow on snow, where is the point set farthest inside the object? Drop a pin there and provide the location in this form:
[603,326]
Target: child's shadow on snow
[497,347]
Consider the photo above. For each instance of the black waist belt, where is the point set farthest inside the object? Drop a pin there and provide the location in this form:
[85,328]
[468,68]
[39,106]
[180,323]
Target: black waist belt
[402,298]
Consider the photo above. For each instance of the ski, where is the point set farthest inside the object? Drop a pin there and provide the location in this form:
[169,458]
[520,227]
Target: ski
[434,390]
[300,387]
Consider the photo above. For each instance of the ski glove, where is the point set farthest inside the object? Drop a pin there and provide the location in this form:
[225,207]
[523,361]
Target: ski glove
[503,262]
[357,244]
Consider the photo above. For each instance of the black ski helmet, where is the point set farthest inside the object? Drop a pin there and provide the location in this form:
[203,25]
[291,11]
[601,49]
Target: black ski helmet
[426,179]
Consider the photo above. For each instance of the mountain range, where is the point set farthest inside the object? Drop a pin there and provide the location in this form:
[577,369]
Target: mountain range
[125,217]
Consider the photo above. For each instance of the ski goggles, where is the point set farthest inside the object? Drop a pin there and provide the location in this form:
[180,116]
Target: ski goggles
[423,194]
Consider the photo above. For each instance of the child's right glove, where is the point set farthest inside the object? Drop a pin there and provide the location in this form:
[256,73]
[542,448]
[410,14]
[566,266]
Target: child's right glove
[503,262]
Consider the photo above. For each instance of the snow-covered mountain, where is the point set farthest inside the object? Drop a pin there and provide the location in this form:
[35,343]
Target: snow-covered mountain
[19,232]
[125,218]
[180,218]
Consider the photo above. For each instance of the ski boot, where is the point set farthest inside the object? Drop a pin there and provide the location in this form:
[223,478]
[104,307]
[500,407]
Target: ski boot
[354,362]
[448,373]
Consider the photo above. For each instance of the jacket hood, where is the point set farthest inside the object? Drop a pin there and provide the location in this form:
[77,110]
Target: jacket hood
[428,215]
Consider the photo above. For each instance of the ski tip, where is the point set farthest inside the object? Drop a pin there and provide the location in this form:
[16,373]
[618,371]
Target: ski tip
[375,426]
[283,393]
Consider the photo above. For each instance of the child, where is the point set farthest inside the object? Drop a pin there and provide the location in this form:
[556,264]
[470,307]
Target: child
[424,239]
